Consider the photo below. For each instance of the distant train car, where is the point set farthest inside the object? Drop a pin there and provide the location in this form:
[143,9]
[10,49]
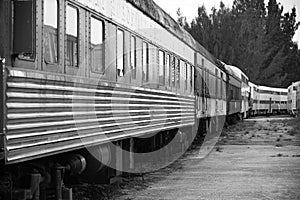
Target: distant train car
[298,101]
[291,98]
[245,93]
[238,102]
[253,103]
[271,100]
[234,98]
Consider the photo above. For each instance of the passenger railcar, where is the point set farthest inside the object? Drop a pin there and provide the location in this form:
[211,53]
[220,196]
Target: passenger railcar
[253,103]
[270,100]
[245,90]
[291,99]
[82,73]
[298,101]
[234,98]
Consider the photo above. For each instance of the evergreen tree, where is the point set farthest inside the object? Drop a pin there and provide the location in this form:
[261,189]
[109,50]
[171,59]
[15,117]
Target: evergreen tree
[254,37]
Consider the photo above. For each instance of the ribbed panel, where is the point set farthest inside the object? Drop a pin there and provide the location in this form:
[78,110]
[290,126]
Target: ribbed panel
[46,117]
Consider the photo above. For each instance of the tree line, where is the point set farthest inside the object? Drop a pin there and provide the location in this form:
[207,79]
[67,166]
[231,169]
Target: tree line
[253,36]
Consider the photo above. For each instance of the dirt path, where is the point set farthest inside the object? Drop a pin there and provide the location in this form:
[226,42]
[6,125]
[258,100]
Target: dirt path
[255,159]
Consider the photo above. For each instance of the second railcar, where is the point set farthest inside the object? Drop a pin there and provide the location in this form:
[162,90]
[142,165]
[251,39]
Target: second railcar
[234,99]
[271,100]
[291,99]
[298,101]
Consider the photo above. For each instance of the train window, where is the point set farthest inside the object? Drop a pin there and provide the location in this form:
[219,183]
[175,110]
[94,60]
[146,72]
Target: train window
[204,83]
[72,36]
[221,85]
[145,76]
[191,77]
[24,29]
[120,53]
[133,56]
[97,46]
[161,68]
[168,65]
[173,64]
[294,88]
[50,31]
[179,65]
[217,82]
[186,75]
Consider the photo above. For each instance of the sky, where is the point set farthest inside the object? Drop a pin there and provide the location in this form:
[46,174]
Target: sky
[189,8]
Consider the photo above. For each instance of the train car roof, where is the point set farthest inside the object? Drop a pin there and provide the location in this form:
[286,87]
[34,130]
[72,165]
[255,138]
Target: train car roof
[252,84]
[232,71]
[272,89]
[296,84]
[236,71]
[151,9]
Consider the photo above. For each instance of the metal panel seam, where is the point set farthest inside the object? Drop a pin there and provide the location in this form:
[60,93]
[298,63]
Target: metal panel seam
[3,108]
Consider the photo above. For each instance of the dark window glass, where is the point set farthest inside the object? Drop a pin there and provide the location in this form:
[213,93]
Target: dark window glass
[191,78]
[72,36]
[186,75]
[24,29]
[161,68]
[217,82]
[133,56]
[50,31]
[145,62]
[97,45]
[221,85]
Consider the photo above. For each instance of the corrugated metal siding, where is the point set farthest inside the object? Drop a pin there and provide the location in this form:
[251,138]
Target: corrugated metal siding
[46,117]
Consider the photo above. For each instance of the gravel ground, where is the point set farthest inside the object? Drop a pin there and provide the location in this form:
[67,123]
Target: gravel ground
[254,159]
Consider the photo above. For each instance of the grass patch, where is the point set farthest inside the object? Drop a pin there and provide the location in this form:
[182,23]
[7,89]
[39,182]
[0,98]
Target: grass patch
[295,123]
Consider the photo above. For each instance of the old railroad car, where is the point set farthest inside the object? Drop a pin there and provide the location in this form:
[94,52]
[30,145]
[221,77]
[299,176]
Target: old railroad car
[234,98]
[271,100]
[291,98]
[80,74]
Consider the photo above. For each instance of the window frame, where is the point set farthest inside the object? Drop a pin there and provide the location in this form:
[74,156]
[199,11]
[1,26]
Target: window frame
[173,71]
[133,68]
[78,35]
[186,75]
[217,95]
[145,61]
[168,70]
[162,68]
[191,78]
[178,67]
[102,70]
[57,31]
[34,50]
[123,56]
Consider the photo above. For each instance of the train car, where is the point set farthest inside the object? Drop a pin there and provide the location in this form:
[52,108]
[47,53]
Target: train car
[234,98]
[298,101]
[291,98]
[271,100]
[245,91]
[253,103]
[84,79]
